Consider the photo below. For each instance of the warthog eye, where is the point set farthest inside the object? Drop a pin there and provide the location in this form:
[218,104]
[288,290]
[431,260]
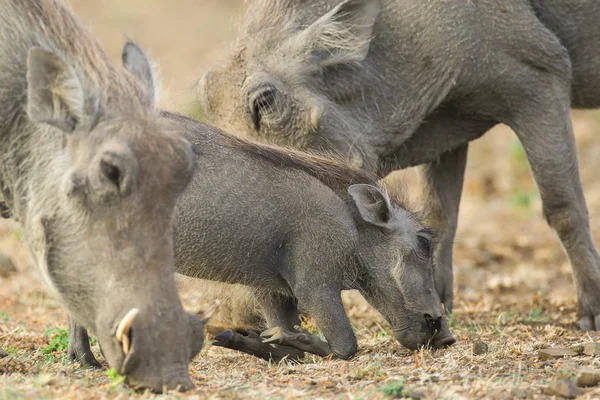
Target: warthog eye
[111,172]
[262,101]
[425,243]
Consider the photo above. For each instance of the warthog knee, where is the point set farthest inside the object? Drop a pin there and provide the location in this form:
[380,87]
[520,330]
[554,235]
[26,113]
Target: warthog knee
[345,352]
[567,221]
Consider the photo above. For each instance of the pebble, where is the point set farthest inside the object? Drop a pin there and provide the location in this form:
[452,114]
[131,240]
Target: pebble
[3,353]
[7,267]
[48,379]
[517,393]
[591,349]
[563,388]
[588,377]
[567,370]
[504,393]
[479,348]
[413,395]
[556,352]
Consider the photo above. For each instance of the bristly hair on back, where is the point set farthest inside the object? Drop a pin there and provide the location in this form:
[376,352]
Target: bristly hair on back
[329,169]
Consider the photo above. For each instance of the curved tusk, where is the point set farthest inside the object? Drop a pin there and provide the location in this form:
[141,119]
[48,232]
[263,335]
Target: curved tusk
[126,344]
[208,313]
[122,333]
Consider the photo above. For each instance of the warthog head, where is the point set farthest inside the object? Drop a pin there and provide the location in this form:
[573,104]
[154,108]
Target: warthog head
[100,218]
[294,78]
[395,251]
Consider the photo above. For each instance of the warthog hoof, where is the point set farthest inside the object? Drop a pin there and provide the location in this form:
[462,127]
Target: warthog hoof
[85,358]
[589,323]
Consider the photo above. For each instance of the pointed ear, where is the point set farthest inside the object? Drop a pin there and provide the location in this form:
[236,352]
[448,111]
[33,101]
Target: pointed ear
[373,204]
[55,95]
[343,35]
[136,62]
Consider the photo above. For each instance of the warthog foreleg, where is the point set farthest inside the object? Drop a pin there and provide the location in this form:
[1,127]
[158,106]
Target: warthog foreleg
[79,346]
[250,342]
[300,339]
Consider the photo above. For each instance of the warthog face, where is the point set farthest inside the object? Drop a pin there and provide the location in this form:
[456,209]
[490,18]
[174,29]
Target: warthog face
[103,235]
[293,79]
[396,251]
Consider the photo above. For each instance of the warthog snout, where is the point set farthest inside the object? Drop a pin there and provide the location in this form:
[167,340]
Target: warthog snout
[438,329]
[432,331]
[434,324]
[153,348]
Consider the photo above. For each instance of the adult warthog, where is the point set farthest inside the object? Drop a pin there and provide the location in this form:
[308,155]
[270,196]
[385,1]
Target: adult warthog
[396,83]
[93,174]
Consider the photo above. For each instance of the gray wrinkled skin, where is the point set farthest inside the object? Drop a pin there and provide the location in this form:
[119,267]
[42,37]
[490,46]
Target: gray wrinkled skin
[286,225]
[395,83]
[92,174]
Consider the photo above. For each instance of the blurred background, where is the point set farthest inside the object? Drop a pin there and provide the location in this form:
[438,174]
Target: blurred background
[505,255]
[183,37]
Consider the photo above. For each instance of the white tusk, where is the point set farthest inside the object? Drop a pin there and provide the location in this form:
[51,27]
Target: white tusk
[123,328]
[208,313]
[126,344]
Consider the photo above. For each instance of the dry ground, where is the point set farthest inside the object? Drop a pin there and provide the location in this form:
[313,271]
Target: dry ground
[513,290]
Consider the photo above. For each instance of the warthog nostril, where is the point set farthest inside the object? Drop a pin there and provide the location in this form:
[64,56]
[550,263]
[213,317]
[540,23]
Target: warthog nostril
[433,323]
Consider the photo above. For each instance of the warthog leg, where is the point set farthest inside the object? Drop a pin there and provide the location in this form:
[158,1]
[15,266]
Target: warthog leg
[301,339]
[442,190]
[79,346]
[542,121]
[250,342]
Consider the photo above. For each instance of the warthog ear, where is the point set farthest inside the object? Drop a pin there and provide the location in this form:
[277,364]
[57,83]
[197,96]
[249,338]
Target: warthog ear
[373,204]
[54,93]
[342,35]
[136,62]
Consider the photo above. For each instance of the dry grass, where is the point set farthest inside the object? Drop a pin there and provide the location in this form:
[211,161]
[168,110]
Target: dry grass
[513,290]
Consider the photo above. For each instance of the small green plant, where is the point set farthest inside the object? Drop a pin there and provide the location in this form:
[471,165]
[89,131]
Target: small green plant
[383,334]
[370,371]
[474,327]
[452,321]
[394,389]
[114,377]
[51,358]
[5,317]
[523,198]
[518,156]
[535,315]
[59,340]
